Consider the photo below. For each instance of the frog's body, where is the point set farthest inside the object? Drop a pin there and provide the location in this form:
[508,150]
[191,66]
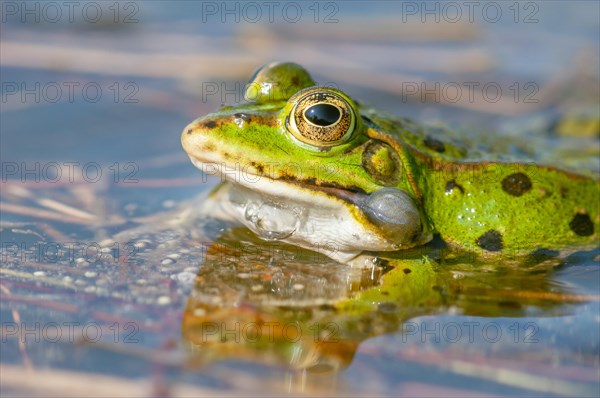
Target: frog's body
[312,167]
[485,202]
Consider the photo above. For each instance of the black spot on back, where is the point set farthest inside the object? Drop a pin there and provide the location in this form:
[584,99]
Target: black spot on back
[516,184]
[189,131]
[490,241]
[434,144]
[211,124]
[582,225]
[450,185]
[407,270]
[563,192]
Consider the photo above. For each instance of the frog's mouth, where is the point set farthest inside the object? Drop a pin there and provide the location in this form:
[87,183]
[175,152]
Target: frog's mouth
[291,189]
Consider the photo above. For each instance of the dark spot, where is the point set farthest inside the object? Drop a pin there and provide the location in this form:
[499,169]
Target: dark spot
[545,253]
[450,185]
[563,192]
[384,265]
[208,147]
[257,166]
[211,124]
[490,241]
[407,270]
[540,255]
[509,304]
[582,225]
[516,184]
[367,119]
[327,307]
[387,307]
[189,131]
[381,262]
[245,117]
[434,144]
[332,184]
[287,177]
[384,293]
[295,80]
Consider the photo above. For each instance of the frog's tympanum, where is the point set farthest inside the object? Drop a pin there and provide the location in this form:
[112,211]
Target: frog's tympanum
[311,166]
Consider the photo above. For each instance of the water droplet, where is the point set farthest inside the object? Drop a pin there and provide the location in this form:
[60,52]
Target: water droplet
[252,213]
[271,221]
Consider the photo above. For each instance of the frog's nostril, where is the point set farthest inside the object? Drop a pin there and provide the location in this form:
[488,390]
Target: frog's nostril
[199,126]
[189,136]
[189,130]
[209,124]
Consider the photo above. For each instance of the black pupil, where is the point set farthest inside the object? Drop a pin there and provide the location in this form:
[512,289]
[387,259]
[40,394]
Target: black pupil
[322,114]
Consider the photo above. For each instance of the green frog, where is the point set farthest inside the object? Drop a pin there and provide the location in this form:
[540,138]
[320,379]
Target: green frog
[310,166]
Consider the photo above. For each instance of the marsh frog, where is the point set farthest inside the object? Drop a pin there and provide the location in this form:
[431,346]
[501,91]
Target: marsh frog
[311,166]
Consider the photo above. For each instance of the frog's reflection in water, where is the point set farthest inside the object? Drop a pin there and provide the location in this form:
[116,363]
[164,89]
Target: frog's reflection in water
[276,304]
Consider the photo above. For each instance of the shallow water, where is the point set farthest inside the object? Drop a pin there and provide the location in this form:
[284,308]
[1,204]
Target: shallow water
[101,279]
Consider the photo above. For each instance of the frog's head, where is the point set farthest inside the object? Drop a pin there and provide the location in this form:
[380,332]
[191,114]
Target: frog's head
[308,155]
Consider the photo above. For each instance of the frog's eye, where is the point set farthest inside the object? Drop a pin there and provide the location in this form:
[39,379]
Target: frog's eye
[321,118]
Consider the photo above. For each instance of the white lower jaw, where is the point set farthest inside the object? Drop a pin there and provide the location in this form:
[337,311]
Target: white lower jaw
[276,210]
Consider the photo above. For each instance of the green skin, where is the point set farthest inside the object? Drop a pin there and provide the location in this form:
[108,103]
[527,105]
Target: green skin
[471,199]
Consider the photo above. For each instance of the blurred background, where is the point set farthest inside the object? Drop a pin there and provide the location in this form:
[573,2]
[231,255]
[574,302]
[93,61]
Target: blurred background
[94,96]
